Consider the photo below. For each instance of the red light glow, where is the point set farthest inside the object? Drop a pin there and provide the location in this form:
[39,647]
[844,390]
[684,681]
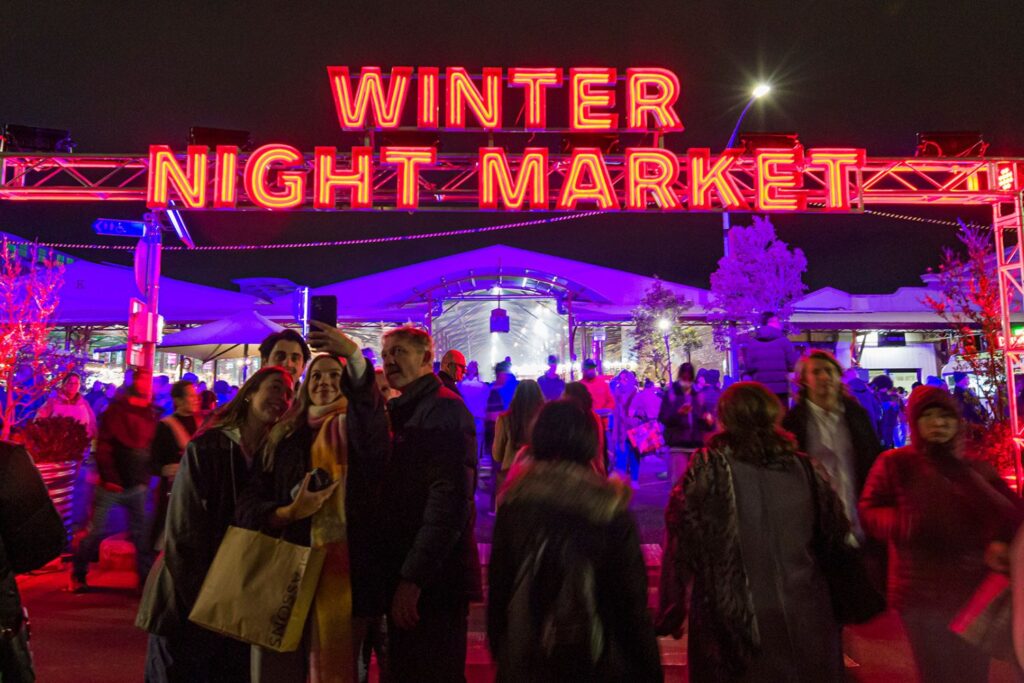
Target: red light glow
[408,160]
[598,188]
[358,179]
[536,82]
[652,92]
[353,110]
[705,176]
[225,181]
[496,181]
[586,95]
[289,188]
[778,180]
[164,172]
[650,172]
[462,94]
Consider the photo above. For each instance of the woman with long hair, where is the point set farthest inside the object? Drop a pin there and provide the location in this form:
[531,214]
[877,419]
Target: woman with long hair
[334,441]
[512,430]
[568,585]
[212,475]
[947,520]
[741,527]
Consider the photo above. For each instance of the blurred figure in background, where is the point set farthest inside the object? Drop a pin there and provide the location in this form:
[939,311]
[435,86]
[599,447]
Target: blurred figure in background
[551,383]
[123,463]
[31,534]
[512,430]
[169,442]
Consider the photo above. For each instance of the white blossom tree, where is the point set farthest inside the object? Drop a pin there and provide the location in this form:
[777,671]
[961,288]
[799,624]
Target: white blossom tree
[762,273]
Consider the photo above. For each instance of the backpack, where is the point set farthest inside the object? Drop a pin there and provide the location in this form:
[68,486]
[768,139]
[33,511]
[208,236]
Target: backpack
[553,621]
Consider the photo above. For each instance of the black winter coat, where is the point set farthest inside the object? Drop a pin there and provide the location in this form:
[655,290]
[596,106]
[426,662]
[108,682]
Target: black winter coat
[31,531]
[768,356]
[863,437]
[366,426]
[213,474]
[565,504]
[427,508]
[681,429]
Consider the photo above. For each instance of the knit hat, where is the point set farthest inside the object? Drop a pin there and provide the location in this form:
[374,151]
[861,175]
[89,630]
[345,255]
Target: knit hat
[923,398]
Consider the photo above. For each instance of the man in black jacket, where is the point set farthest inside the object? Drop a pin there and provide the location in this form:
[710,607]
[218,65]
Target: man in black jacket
[431,566]
[31,534]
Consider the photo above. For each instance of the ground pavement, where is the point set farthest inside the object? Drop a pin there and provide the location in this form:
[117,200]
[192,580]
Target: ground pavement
[89,637]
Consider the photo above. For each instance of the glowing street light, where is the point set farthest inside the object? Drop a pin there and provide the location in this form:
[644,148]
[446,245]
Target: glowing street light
[761,90]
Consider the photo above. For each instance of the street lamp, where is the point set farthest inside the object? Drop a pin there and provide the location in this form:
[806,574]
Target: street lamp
[665,325]
[759,91]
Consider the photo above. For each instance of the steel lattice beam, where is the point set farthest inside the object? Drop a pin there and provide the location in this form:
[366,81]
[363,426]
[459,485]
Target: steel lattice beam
[451,184]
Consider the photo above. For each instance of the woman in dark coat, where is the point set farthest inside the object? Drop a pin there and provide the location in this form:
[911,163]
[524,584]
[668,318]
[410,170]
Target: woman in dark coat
[337,425]
[213,474]
[741,527]
[568,585]
[943,516]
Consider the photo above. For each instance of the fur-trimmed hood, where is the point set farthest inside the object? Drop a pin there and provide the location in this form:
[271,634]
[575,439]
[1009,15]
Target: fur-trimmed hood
[574,488]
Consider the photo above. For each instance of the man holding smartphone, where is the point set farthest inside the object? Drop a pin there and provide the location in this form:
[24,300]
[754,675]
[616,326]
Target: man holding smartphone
[430,561]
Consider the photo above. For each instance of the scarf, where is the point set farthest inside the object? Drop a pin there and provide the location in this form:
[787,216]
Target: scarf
[331,655]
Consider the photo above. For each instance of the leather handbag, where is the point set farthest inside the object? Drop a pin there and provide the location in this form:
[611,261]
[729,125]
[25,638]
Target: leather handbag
[854,597]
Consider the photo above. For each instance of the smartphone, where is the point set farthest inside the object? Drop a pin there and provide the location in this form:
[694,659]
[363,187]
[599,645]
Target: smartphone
[323,309]
[318,482]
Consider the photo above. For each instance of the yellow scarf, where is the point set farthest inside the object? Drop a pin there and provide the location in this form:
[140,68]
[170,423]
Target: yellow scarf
[331,656]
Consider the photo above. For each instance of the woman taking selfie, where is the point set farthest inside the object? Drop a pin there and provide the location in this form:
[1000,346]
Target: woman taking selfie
[316,485]
[212,475]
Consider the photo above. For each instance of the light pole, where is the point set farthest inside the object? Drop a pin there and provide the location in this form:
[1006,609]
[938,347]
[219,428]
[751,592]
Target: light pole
[665,325]
[759,91]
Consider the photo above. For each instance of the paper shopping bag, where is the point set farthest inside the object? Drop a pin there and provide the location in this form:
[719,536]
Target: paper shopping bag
[259,589]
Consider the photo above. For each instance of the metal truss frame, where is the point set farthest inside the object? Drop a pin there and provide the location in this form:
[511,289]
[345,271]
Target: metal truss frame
[452,183]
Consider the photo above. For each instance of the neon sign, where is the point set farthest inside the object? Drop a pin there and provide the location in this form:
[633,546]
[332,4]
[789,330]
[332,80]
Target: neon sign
[562,165]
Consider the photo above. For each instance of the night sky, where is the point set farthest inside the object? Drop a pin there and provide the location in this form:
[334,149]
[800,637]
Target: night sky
[122,76]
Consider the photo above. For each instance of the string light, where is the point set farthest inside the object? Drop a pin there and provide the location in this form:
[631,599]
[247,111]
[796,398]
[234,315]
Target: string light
[332,243]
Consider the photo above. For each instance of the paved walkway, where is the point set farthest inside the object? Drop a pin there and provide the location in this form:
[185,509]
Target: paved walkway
[89,637]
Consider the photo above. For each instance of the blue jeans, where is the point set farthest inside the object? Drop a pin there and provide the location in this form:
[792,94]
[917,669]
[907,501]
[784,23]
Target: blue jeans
[134,501]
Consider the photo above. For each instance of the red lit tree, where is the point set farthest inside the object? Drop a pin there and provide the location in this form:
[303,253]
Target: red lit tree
[969,303]
[30,282]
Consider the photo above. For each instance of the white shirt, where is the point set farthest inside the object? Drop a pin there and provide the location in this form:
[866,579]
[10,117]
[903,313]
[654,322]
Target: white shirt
[829,442]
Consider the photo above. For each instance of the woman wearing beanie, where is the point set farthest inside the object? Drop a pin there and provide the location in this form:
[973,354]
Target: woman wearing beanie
[947,519]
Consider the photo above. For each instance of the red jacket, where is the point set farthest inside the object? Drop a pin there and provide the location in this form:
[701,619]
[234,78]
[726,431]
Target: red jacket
[122,446]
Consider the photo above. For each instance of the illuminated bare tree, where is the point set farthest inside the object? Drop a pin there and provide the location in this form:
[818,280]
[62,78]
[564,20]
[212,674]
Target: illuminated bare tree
[969,303]
[30,282]
[762,273]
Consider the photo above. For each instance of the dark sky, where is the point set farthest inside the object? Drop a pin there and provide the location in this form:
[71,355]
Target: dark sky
[867,73]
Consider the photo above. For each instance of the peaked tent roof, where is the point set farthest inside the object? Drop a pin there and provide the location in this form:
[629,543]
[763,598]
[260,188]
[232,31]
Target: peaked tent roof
[598,293]
[98,293]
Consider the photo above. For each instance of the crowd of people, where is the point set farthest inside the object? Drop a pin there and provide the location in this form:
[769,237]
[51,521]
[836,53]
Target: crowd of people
[792,511]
